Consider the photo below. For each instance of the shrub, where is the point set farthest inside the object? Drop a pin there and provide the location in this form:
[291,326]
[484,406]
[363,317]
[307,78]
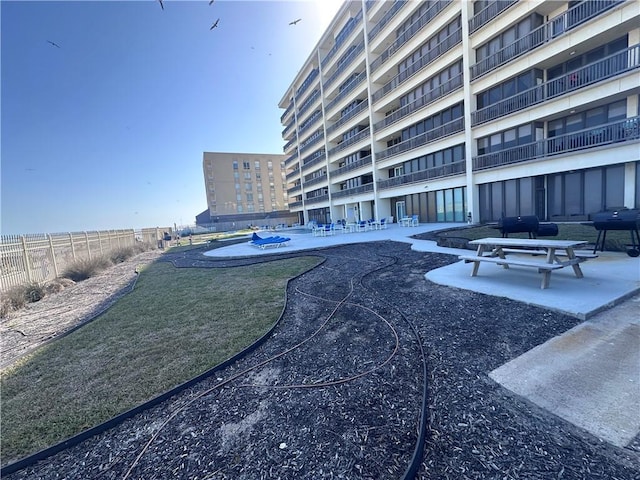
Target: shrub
[12,300]
[121,254]
[86,268]
[34,292]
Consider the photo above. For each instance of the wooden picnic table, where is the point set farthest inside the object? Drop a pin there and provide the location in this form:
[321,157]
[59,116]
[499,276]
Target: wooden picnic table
[557,254]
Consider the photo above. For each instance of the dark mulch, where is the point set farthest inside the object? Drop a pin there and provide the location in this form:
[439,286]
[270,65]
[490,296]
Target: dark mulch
[338,389]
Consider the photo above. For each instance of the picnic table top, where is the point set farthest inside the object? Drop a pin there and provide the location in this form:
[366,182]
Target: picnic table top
[528,242]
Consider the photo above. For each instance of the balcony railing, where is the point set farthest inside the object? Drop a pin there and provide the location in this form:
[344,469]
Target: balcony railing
[291,159]
[307,82]
[343,66]
[408,34]
[353,191]
[286,112]
[295,204]
[312,120]
[616,64]
[621,131]
[487,14]
[349,115]
[447,170]
[442,131]
[363,162]
[308,102]
[294,189]
[293,174]
[345,34]
[420,64]
[318,199]
[314,159]
[315,180]
[426,99]
[386,18]
[286,129]
[347,89]
[548,31]
[350,141]
[311,141]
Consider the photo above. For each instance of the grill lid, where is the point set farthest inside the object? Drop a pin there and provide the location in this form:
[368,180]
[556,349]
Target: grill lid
[617,220]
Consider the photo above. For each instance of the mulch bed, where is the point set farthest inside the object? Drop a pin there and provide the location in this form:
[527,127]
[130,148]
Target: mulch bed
[338,389]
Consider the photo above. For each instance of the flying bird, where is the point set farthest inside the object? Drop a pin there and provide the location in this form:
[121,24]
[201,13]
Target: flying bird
[215,24]
[161,5]
[211,2]
[295,21]
[54,44]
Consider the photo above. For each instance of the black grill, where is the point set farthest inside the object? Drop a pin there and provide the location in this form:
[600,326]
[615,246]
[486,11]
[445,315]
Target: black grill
[618,220]
[521,224]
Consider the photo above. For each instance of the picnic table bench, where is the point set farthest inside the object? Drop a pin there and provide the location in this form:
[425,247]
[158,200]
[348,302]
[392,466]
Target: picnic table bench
[495,250]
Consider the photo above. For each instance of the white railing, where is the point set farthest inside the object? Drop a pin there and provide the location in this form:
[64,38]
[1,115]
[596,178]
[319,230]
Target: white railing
[39,258]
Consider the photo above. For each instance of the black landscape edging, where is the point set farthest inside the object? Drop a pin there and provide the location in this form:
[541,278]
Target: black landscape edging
[82,436]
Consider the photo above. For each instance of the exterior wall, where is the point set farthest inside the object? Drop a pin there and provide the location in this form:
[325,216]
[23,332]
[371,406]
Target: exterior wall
[244,187]
[437,103]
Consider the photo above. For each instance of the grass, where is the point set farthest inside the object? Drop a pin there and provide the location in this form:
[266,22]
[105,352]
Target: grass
[616,240]
[175,324]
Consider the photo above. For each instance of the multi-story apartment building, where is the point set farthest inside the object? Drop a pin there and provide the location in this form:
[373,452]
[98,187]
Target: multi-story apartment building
[245,188]
[450,108]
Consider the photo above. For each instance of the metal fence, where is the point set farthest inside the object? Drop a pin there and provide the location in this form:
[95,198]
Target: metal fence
[38,258]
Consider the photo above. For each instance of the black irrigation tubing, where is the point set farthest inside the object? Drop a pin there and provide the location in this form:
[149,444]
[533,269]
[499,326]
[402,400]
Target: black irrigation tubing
[82,436]
[416,460]
[233,378]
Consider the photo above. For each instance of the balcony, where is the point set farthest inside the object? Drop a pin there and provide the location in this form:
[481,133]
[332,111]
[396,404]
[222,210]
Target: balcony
[422,139]
[295,173]
[294,189]
[387,17]
[420,64]
[545,33]
[315,180]
[409,33]
[627,130]
[363,162]
[455,168]
[290,160]
[349,115]
[426,99]
[487,14]
[307,82]
[314,159]
[318,199]
[350,141]
[295,204]
[616,64]
[286,112]
[312,140]
[343,66]
[345,34]
[353,191]
[347,89]
[308,102]
[308,123]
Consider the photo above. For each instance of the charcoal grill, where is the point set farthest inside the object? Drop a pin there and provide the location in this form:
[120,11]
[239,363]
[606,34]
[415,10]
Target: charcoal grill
[618,220]
[521,224]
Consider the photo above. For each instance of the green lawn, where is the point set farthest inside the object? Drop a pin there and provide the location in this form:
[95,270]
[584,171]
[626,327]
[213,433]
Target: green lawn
[175,324]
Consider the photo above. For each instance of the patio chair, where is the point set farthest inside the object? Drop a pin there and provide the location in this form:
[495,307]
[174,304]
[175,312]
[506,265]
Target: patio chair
[383,223]
[362,226]
[414,220]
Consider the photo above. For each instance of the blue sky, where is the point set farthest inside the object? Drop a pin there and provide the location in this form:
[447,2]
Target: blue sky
[107,130]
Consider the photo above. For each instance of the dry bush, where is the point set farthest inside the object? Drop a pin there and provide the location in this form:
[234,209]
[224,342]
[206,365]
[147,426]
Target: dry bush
[86,268]
[121,254]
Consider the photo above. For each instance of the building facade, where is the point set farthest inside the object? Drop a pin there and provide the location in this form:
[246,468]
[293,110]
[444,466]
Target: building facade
[245,189]
[451,109]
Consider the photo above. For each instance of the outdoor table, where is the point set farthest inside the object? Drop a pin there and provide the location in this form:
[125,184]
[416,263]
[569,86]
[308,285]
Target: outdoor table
[558,254]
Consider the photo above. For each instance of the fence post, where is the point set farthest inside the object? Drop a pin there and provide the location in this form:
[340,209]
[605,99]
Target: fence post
[25,256]
[73,249]
[53,256]
[86,238]
[100,243]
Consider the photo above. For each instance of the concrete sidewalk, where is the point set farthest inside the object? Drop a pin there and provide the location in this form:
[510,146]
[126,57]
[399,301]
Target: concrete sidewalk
[590,375]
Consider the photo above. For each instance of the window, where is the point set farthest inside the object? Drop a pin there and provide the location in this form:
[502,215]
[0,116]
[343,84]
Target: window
[235,165]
